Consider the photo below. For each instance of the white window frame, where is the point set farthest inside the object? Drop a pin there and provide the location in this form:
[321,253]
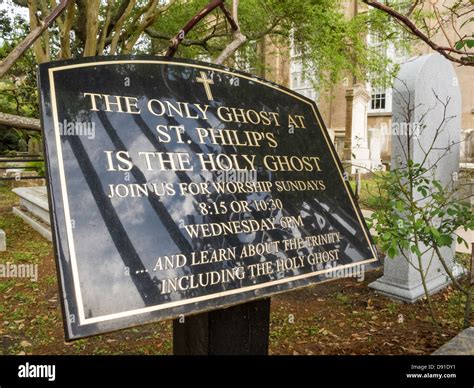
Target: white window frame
[299,79]
[388,100]
[374,41]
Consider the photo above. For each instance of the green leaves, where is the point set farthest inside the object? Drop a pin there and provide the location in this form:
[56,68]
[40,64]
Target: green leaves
[437,184]
[400,205]
[468,43]
[392,251]
[414,249]
[460,240]
[331,45]
[444,240]
[434,232]
[419,212]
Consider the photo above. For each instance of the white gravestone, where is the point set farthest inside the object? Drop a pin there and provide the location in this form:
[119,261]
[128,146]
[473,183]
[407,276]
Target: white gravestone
[375,140]
[422,89]
[356,146]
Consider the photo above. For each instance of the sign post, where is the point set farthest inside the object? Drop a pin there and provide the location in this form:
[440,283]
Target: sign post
[237,330]
[179,188]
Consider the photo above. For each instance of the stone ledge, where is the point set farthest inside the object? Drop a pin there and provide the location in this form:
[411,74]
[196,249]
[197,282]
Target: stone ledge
[35,223]
[36,195]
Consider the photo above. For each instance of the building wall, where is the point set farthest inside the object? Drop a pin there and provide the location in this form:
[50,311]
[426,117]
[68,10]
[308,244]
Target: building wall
[276,59]
[332,103]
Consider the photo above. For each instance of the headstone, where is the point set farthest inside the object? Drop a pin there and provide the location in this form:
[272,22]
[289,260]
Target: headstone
[3,241]
[356,148]
[375,140]
[332,135]
[22,145]
[34,146]
[179,188]
[467,145]
[427,83]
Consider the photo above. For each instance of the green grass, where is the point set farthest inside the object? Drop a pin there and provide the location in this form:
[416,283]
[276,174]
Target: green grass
[370,197]
[392,308]
[30,311]
[281,328]
[342,298]
[7,197]
[6,284]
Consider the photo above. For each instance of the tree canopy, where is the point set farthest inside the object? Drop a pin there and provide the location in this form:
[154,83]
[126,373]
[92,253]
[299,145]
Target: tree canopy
[319,30]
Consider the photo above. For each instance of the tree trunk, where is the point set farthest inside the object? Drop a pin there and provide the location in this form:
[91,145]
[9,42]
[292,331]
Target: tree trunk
[92,26]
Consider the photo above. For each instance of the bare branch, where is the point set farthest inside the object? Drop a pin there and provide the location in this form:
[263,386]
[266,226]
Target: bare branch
[440,23]
[174,43]
[21,3]
[203,42]
[447,52]
[35,33]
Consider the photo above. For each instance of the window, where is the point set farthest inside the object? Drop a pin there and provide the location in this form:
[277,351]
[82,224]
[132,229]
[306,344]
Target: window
[301,79]
[380,100]
[303,76]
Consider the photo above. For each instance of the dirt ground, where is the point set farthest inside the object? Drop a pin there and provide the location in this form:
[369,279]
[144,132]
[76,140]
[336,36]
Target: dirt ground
[338,317]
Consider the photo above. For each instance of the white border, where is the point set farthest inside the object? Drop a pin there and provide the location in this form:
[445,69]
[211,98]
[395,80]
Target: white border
[72,251]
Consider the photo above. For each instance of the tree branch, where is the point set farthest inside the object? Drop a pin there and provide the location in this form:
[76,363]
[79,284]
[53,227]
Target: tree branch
[19,122]
[103,34]
[174,43]
[21,3]
[238,39]
[414,30]
[65,40]
[79,25]
[149,15]
[118,26]
[117,15]
[185,42]
[35,33]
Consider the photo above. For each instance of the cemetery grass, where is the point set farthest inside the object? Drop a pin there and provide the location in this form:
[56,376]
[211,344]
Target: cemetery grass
[338,317]
[369,197]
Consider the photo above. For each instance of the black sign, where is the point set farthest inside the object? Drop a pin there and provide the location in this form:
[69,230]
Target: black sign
[177,187]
